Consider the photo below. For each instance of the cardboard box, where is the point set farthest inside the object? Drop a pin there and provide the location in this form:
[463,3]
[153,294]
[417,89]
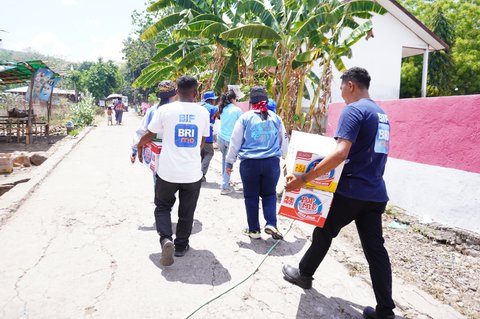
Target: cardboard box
[306,161]
[151,153]
[305,152]
[307,205]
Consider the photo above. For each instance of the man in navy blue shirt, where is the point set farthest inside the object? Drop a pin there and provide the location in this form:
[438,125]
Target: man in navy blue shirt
[363,136]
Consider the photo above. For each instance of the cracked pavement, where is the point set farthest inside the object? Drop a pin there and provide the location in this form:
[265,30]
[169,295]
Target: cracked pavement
[83,245]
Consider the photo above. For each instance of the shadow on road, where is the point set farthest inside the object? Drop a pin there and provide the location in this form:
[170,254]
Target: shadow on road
[147,228]
[284,248]
[211,185]
[196,228]
[314,305]
[197,267]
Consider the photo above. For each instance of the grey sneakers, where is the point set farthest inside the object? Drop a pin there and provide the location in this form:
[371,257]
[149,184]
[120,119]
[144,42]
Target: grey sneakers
[226,191]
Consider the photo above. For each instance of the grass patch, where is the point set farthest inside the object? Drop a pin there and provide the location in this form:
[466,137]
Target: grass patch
[74,132]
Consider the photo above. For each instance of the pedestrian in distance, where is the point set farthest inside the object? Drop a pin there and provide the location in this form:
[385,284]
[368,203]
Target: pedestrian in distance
[119,107]
[228,113]
[184,125]
[259,139]
[109,116]
[363,140]
[209,101]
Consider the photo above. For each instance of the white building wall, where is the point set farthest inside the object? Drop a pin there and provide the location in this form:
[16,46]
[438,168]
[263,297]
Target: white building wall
[381,56]
[433,193]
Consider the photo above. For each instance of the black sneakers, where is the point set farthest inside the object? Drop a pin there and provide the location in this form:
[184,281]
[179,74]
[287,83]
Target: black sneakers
[292,275]
[166,259]
[180,252]
[370,313]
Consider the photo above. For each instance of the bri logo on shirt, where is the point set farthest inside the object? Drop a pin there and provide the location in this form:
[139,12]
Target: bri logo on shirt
[186,135]
[382,139]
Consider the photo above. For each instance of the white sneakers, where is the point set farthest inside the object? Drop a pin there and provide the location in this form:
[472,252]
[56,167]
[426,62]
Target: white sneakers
[274,232]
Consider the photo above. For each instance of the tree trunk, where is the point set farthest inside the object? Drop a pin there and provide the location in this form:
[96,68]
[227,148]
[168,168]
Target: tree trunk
[326,89]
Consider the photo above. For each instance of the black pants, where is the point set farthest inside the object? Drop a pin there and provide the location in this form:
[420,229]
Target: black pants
[368,219]
[165,199]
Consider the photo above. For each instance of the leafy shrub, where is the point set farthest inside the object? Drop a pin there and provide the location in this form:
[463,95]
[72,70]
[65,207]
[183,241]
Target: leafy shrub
[83,113]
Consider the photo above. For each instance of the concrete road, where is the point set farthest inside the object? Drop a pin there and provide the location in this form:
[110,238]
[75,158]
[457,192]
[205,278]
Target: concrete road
[84,246]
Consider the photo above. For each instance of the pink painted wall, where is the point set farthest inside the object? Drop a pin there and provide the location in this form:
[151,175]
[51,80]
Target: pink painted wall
[442,131]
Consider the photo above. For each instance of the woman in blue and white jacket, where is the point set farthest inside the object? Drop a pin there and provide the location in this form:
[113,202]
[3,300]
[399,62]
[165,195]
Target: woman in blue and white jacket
[259,139]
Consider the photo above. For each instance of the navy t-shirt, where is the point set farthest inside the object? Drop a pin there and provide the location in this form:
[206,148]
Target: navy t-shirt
[366,125]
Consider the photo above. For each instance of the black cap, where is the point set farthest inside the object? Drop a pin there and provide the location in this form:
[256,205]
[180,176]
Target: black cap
[258,94]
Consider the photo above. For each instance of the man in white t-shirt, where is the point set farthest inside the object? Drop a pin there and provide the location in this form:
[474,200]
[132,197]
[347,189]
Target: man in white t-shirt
[184,126]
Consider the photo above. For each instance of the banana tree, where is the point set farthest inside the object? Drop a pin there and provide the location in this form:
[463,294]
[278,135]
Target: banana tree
[303,33]
[196,26]
[332,31]
[269,25]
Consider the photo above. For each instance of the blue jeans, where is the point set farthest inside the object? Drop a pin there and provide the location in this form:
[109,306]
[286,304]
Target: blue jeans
[223,146]
[259,178]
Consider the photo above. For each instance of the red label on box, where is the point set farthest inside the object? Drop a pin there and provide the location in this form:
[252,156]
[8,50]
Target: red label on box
[307,205]
[151,152]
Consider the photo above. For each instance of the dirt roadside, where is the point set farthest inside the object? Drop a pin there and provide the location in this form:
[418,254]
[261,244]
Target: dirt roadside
[440,260]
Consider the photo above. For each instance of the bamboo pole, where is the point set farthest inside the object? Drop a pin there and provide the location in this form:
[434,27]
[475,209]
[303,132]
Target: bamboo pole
[30,111]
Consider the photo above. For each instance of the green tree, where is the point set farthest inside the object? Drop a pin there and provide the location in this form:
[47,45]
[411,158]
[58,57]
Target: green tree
[195,27]
[465,49]
[101,79]
[441,67]
[139,53]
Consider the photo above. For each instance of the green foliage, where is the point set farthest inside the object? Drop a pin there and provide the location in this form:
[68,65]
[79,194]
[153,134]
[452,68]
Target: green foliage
[411,78]
[440,65]
[83,113]
[139,54]
[74,132]
[102,79]
[463,74]
[248,42]
[152,98]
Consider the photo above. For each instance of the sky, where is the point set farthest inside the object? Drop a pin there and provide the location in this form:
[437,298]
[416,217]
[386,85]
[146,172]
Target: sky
[76,30]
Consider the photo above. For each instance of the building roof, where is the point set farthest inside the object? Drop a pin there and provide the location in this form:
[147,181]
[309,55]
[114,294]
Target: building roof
[433,41]
[23,90]
[19,72]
